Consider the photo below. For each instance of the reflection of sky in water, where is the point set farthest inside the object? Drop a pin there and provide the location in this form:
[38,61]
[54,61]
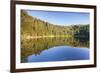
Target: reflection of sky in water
[60,53]
[54,49]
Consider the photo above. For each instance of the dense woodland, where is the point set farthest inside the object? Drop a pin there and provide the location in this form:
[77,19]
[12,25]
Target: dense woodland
[33,27]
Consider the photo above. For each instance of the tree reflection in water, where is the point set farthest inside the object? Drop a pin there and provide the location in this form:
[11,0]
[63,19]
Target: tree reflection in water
[37,45]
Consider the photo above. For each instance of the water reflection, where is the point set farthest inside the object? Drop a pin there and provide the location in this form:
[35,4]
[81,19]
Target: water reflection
[37,45]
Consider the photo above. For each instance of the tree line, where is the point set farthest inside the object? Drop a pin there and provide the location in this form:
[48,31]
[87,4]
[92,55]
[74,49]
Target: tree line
[32,26]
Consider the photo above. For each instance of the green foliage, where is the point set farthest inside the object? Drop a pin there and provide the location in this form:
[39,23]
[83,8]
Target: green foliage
[82,31]
[32,26]
[38,35]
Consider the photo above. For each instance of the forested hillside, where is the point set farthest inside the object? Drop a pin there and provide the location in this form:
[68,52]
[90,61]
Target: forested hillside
[32,27]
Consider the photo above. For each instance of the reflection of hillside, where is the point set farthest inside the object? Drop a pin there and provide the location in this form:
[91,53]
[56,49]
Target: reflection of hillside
[36,46]
[32,27]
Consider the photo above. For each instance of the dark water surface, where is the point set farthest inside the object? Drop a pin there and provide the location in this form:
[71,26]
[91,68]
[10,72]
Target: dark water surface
[54,49]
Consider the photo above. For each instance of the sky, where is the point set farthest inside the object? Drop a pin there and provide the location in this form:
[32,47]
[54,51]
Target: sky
[61,18]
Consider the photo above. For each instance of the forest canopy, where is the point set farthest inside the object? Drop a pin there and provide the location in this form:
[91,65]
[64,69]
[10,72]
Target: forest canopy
[35,27]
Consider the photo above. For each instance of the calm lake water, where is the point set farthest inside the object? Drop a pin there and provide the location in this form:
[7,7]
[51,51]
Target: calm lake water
[54,49]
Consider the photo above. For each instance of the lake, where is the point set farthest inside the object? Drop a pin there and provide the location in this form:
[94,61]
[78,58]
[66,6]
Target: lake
[54,49]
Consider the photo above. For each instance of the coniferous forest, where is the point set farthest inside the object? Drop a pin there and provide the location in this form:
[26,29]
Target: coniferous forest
[32,27]
[38,35]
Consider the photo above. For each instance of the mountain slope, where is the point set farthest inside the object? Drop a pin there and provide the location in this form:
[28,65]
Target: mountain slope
[32,27]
